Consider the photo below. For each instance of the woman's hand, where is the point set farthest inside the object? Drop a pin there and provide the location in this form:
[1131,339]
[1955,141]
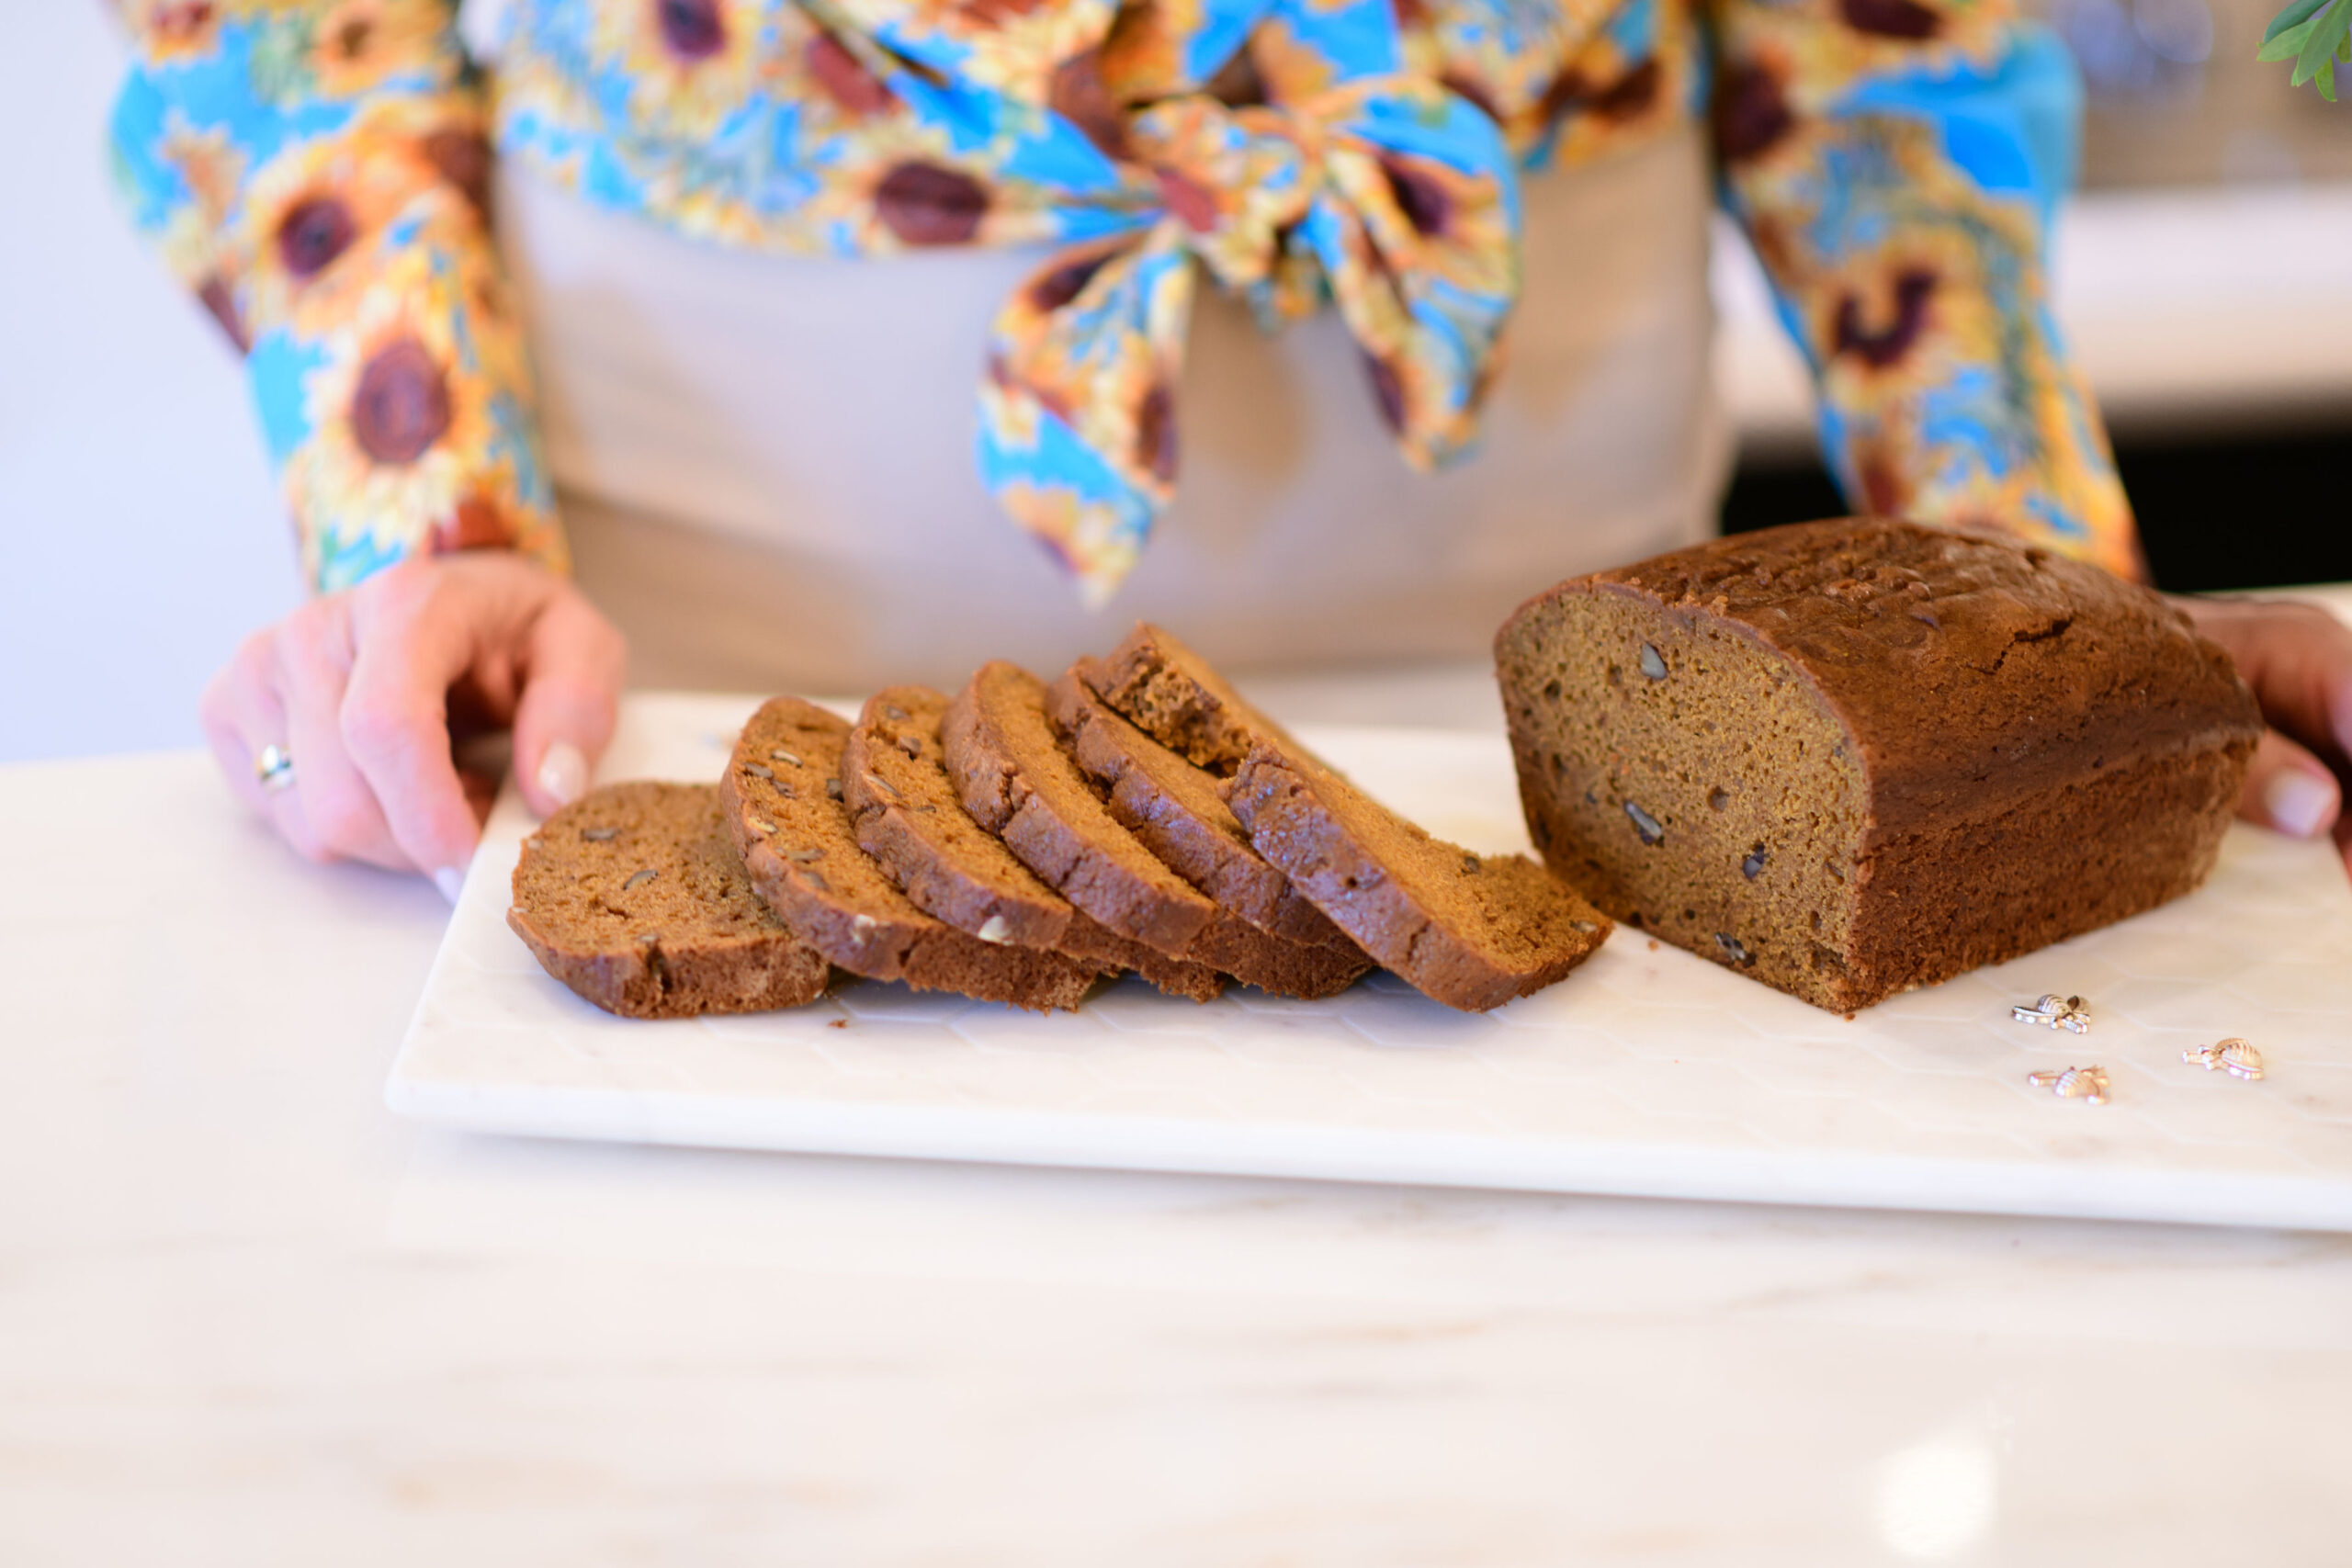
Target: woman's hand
[2298,659]
[364,690]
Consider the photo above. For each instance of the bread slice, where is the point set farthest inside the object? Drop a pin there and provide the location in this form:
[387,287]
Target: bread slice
[783,794]
[1091,942]
[1171,694]
[1013,776]
[634,896]
[894,781]
[1179,811]
[1308,971]
[1472,931]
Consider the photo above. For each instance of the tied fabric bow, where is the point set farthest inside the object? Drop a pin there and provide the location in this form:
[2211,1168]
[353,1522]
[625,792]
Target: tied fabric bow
[1390,195]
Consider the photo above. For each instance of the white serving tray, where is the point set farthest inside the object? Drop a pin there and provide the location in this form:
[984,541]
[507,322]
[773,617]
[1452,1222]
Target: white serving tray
[1647,1071]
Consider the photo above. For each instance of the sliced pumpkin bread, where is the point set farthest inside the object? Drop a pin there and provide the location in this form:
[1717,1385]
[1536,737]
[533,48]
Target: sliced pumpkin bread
[894,780]
[1470,931]
[1177,810]
[1013,776]
[782,795]
[634,896]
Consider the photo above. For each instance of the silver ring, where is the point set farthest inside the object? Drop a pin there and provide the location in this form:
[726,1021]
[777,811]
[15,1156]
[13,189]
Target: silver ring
[274,766]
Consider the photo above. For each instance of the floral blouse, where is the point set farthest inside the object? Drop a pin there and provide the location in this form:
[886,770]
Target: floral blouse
[316,171]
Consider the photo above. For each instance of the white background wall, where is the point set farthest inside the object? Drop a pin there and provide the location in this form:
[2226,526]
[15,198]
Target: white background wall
[140,535]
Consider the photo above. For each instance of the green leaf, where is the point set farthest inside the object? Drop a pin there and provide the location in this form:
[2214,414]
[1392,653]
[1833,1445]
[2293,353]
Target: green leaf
[2326,36]
[2300,12]
[2317,35]
[2289,44]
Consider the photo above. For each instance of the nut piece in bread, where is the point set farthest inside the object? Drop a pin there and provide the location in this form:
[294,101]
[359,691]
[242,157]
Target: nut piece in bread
[634,896]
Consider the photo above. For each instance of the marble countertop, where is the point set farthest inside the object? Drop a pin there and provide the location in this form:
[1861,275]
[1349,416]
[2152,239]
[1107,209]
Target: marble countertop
[247,1316]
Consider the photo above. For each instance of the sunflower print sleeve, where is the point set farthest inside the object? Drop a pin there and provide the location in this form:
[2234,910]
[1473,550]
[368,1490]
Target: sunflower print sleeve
[316,173]
[1895,164]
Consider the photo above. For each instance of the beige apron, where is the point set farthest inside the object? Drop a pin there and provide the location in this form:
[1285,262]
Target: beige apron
[766,463]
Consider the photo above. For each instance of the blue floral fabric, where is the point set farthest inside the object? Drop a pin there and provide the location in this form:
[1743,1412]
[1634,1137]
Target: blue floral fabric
[314,169]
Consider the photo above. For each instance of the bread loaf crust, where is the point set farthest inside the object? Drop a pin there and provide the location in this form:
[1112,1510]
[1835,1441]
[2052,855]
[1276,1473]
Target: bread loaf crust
[2034,747]
[1974,672]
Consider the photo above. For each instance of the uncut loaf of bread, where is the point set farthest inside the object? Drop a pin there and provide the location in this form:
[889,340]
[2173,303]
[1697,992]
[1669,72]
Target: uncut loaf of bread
[1851,757]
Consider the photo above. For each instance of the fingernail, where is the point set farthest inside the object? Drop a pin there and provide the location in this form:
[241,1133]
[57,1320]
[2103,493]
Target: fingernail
[563,773]
[451,881]
[2297,803]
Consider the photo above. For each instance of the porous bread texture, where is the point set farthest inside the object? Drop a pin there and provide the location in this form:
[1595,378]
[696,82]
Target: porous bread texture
[1472,931]
[1850,757]
[1171,694]
[894,780]
[633,896]
[1013,776]
[782,796]
[1177,810]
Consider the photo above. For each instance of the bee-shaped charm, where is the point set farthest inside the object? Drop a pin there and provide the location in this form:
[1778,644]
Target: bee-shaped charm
[2234,1056]
[2086,1084]
[2055,1012]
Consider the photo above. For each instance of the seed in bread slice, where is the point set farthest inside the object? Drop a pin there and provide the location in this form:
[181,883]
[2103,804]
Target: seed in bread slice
[634,896]
[1171,693]
[894,780]
[782,794]
[1178,810]
[1013,776]
[1470,931]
